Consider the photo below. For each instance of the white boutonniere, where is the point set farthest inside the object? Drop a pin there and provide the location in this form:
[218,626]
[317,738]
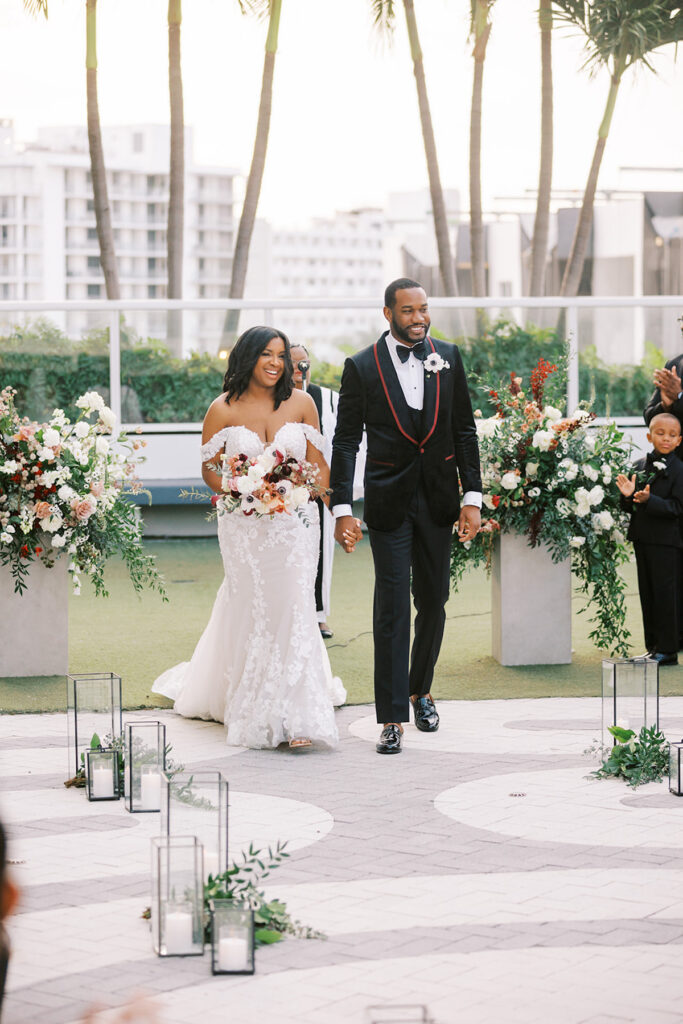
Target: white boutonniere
[434,363]
[659,465]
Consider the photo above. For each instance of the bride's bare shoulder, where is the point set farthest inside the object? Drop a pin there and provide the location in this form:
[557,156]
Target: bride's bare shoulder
[218,415]
[299,406]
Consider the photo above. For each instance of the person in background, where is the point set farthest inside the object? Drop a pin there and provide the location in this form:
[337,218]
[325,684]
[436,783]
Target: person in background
[9,894]
[654,497]
[326,403]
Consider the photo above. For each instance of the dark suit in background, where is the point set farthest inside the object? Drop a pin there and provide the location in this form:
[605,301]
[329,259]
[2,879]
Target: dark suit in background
[415,462]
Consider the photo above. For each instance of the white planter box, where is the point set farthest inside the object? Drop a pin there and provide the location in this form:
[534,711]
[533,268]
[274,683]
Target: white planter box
[34,628]
[531,604]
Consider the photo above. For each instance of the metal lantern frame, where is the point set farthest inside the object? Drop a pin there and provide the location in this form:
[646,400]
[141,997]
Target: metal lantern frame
[630,689]
[144,765]
[232,937]
[177,905]
[196,803]
[93,705]
[108,760]
[676,768]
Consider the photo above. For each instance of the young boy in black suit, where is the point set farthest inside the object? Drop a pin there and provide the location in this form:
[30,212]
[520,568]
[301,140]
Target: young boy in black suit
[654,497]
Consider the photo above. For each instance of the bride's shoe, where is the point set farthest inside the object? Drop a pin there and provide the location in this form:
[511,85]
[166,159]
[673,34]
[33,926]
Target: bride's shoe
[299,743]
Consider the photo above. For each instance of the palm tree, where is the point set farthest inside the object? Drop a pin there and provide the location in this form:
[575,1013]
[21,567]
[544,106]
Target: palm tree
[384,14]
[176,197]
[258,161]
[36,7]
[480,30]
[619,34]
[539,245]
[105,234]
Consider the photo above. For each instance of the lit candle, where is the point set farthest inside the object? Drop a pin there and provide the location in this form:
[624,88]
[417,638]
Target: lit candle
[150,791]
[102,787]
[233,953]
[178,933]
[210,863]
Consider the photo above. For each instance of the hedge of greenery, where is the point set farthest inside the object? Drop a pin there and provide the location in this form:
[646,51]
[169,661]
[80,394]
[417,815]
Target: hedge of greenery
[50,370]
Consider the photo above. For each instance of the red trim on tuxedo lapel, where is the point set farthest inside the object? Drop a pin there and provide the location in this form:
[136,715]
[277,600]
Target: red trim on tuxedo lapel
[386,393]
[424,400]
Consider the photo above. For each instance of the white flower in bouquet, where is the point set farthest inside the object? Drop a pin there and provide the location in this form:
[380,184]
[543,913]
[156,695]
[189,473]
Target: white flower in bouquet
[82,429]
[298,496]
[268,460]
[51,438]
[542,439]
[6,538]
[589,442]
[58,541]
[606,473]
[108,417]
[509,480]
[531,469]
[563,506]
[596,495]
[590,472]
[577,542]
[583,502]
[488,501]
[602,521]
[477,414]
[101,446]
[90,401]
[618,537]
[569,468]
[551,414]
[11,466]
[487,427]
[582,415]
[534,492]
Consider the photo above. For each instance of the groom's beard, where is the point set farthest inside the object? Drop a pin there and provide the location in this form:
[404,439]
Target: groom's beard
[404,335]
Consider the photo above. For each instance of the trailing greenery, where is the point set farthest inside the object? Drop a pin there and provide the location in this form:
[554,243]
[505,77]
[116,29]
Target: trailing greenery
[49,369]
[645,759]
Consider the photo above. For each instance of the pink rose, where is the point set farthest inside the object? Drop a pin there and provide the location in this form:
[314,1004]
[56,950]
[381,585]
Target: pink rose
[97,488]
[42,510]
[82,508]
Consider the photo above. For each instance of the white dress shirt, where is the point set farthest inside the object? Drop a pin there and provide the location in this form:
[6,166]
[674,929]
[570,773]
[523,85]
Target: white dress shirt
[412,380]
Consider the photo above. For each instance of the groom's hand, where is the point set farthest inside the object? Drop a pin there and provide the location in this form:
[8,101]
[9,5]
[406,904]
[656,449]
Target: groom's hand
[347,532]
[469,523]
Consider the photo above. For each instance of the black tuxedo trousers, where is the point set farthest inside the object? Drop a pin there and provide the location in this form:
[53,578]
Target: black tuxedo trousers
[414,556]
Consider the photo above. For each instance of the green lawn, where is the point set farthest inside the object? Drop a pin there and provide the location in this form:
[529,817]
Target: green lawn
[139,637]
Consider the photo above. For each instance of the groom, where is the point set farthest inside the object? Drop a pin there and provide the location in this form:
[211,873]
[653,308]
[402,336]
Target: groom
[410,394]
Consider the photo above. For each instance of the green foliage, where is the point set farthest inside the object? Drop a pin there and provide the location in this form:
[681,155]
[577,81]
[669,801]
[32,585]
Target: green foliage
[241,882]
[641,760]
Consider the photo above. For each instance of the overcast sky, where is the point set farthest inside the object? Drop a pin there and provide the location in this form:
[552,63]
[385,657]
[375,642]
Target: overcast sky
[345,129]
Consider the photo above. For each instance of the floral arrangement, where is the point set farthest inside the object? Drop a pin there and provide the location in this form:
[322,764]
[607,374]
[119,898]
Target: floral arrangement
[271,483]
[635,758]
[62,488]
[548,476]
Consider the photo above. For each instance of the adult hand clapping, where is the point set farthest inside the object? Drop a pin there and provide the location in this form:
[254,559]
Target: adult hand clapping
[669,384]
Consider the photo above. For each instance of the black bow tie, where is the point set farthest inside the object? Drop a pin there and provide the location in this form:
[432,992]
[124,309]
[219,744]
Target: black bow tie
[418,350]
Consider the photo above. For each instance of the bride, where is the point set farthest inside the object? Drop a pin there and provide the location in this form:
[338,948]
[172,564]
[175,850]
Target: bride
[260,665]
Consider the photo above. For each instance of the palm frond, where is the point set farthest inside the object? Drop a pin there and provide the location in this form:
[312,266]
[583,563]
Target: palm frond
[36,7]
[259,8]
[383,16]
[624,30]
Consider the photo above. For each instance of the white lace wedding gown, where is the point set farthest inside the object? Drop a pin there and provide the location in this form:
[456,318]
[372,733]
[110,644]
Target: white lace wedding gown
[260,665]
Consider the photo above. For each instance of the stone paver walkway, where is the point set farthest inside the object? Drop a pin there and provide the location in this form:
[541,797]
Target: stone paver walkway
[479,874]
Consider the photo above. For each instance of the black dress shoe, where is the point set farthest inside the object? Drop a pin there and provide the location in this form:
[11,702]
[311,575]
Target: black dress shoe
[665,658]
[390,740]
[326,633]
[426,715]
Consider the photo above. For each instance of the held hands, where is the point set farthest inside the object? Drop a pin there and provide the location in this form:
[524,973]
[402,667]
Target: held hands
[469,523]
[669,384]
[628,488]
[347,532]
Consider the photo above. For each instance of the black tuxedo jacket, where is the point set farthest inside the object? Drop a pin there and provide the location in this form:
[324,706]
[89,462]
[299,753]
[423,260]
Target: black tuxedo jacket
[657,521]
[654,406]
[438,445]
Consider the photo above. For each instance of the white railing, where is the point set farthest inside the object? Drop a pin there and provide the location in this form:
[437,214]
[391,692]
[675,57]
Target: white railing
[270,306]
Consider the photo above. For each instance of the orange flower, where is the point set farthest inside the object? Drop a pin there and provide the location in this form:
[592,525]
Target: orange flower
[42,510]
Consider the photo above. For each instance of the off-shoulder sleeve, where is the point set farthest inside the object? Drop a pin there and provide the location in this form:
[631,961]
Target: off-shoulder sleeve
[214,444]
[314,436]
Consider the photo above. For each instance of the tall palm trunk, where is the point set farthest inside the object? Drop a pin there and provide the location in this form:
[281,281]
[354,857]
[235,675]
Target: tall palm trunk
[539,247]
[105,235]
[481,30]
[253,190]
[577,254]
[176,197]
[446,266]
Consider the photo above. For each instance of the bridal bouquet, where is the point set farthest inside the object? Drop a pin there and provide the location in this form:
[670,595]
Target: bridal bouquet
[552,478]
[62,488]
[273,482]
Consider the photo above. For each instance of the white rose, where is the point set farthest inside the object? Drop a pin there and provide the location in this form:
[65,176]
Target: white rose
[602,521]
[606,473]
[58,541]
[267,461]
[509,481]
[51,438]
[552,414]
[487,427]
[595,495]
[11,466]
[66,493]
[577,542]
[9,528]
[81,429]
[6,538]
[108,417]
[589,442]
[542,439]
[101,446]
[90,401]
[299,496]
[52,524]
[531,469]
[618,537]
[583,504]
[590,473]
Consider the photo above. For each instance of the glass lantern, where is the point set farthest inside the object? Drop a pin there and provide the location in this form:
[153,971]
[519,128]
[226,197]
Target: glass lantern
[676,768]
[93,709]
[145,762]
[177,908]
[630,695]
[196,804]
[232,937]
[102,774]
